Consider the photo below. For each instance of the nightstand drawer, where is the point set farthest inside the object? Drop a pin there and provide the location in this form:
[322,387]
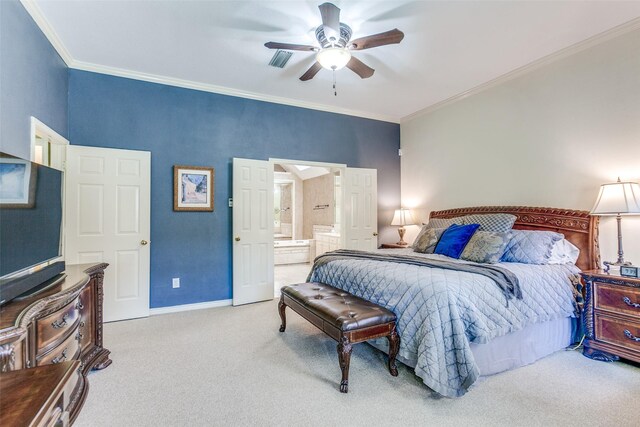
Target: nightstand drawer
[623,333]
[618,299]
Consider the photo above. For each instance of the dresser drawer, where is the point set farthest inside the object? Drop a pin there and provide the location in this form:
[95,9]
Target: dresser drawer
[85,328]
[67,350]
[624,333]
[618,298]
[52,328]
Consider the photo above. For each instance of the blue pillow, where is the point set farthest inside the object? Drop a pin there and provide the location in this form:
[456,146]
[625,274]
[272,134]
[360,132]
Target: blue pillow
[454,239]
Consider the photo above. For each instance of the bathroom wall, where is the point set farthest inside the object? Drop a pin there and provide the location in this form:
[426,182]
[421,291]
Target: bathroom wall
[286,203]
[318,191]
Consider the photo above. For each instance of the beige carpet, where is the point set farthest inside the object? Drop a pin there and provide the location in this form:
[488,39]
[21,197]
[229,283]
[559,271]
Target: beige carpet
[231,366]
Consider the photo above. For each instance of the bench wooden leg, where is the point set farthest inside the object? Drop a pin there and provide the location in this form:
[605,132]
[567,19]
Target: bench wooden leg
[344,357]
[281,307]
[394,347]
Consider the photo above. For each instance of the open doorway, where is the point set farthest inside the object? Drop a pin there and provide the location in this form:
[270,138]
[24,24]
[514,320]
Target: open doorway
[353,225]
[307,214]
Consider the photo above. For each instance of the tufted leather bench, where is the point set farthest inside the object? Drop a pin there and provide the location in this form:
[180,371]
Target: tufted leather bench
[346,318]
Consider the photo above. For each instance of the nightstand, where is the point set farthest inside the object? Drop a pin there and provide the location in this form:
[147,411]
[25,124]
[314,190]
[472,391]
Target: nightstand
[611,316]
[393,246]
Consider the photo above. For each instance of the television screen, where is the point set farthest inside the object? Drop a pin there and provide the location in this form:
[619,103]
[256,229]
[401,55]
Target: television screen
[30,214]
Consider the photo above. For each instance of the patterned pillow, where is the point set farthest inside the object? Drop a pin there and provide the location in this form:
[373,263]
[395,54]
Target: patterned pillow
[426,242]
[419,236]
[486,247]
[444,222]
[499,223]
[531,247]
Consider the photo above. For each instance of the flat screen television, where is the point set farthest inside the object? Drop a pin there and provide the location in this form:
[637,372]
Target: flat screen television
[30,226]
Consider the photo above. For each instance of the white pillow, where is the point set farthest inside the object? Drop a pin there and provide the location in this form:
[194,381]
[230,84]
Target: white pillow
[564,252]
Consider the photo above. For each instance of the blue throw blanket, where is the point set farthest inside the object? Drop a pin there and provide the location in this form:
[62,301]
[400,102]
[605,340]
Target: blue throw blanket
[442,310]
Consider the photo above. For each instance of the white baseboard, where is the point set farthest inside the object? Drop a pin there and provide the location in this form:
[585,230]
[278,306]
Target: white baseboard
[189,307]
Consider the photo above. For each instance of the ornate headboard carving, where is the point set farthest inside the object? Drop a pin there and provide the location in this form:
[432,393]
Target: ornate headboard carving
[578,227]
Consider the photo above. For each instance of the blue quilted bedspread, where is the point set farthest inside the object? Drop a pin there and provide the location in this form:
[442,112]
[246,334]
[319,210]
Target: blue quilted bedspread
[440,312]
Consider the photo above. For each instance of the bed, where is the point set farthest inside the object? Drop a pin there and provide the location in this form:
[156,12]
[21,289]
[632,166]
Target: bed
[458,325]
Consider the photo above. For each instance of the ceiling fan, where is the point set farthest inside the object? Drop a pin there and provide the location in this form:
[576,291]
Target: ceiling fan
[336,45]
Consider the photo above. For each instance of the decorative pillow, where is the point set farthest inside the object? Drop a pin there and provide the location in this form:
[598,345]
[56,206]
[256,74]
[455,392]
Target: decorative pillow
[426,242]
[454,239]
[531,247]
[444,222]
[486,247]
[419,236]
[499,223]
[564,252]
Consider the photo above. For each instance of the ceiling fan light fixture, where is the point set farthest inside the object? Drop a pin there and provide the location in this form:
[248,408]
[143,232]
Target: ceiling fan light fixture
[333,58]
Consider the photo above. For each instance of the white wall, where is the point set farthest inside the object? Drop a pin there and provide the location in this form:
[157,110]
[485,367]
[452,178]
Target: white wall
[547,138]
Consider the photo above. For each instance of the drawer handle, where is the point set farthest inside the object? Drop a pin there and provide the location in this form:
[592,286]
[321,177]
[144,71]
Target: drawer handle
[79,336]
[79,305]
[632,337]
[60,358]
[627,301]
[60,323]
[82,324]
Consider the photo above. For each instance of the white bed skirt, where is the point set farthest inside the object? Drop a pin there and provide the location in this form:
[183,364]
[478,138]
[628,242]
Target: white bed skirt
[516,349]
[523,347]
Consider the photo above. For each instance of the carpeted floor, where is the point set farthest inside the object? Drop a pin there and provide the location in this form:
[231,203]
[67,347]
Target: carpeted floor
[231,366]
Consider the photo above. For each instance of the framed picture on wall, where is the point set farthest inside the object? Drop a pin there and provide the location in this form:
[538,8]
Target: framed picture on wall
[17,183]
[192,188]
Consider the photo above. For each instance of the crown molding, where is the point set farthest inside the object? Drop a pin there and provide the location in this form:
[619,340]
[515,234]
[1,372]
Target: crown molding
[612,33]
[36,14]
[205,87]
[34,10]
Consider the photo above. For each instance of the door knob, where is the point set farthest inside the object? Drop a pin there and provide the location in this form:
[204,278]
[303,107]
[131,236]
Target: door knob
[237,238]
[375,233]
[144,242]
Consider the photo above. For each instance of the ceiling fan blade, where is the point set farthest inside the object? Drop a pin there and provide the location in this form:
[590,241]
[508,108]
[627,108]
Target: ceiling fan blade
[389,37]
[360,68]
[288,46]
[330,21]
[311,72]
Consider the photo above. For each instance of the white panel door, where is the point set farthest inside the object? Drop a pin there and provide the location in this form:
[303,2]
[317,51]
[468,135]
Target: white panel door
[252,231]
[360,192]
[108,220]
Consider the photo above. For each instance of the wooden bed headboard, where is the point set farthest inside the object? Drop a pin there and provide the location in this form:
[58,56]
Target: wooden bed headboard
[578,227]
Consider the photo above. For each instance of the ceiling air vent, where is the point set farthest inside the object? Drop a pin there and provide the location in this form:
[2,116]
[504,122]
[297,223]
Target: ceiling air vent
[280,58]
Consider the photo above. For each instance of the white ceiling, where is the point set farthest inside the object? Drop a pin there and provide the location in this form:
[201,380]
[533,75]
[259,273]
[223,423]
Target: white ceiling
[449,47]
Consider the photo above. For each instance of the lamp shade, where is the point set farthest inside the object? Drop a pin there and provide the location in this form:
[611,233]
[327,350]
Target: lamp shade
[402,217]
[333,58]
[618,198]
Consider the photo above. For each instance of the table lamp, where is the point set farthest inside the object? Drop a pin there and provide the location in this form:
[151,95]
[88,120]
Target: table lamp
[402,217]
[618,198]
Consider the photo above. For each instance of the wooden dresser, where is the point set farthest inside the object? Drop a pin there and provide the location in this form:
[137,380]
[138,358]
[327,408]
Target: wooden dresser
[611,316]
[63,323]
[38,396]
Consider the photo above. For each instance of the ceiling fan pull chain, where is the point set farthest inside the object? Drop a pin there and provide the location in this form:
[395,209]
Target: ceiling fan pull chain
[335,92]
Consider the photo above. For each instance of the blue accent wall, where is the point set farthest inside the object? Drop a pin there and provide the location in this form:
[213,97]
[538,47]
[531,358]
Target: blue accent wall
[33,80]
[188,127]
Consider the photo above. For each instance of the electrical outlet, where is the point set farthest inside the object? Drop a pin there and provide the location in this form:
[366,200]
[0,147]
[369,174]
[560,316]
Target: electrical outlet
[176,282]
